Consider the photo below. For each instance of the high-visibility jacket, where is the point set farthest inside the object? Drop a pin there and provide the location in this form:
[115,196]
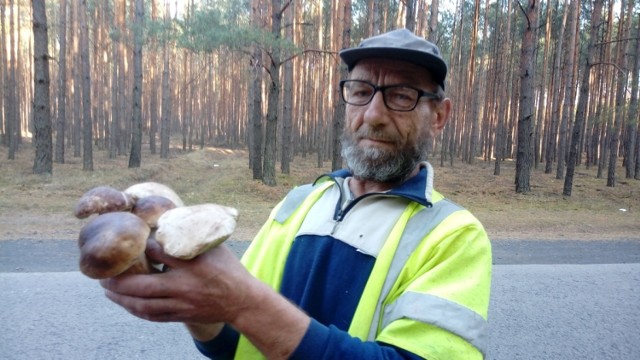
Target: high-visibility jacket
[426,292]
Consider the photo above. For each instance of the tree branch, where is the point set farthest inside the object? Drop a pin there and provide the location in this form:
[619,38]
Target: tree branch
[617,40]
[524,12]
[308,51]
[610,64]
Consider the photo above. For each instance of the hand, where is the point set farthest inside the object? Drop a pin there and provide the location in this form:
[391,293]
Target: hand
[207,289]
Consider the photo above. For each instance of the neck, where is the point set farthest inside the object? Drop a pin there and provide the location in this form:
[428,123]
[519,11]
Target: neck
[360,186]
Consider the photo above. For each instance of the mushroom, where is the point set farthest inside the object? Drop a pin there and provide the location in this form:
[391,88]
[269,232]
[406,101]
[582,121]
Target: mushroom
[102,199]
[150,208]
[112,244]
[186,232]
[138,191]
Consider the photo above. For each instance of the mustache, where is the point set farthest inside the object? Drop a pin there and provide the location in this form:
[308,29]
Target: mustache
[370,133]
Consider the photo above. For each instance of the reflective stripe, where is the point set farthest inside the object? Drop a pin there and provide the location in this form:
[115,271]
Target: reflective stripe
[416,229]
[442,313]
[294,198]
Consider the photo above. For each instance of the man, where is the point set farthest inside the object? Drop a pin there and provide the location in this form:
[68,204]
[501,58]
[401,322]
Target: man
[366,263]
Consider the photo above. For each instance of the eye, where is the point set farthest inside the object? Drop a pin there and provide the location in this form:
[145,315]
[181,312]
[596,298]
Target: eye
[401,94]
[360,90]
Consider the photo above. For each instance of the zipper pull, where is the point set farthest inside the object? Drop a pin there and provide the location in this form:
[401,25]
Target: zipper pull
[337,221]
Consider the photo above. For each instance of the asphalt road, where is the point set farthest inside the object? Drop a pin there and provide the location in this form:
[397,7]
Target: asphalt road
[550,300]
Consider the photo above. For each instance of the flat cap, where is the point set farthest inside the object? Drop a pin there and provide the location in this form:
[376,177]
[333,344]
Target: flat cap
[399,44]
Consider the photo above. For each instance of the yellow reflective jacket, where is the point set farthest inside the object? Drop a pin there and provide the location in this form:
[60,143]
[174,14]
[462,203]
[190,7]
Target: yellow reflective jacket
[428,292]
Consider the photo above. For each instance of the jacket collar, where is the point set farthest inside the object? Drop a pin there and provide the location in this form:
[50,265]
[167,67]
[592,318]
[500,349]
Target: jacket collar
[418,188]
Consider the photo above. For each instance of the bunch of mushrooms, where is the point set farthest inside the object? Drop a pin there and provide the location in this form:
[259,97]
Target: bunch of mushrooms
[114,241]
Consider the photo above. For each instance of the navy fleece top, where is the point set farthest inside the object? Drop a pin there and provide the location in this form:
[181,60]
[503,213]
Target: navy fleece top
[325,277]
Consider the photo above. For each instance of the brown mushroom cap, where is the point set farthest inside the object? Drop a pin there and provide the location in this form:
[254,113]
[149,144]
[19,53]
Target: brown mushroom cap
[150,208]
[186,232]
[112,243]
[141,190]
[102,199]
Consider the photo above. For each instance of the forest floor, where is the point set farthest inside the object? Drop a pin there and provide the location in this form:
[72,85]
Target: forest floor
[41,207]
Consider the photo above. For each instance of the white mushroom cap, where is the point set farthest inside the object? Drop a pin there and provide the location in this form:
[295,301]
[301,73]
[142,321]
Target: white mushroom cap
[186,232]
[145,189]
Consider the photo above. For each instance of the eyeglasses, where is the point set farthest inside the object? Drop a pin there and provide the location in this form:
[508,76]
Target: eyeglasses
[395,97]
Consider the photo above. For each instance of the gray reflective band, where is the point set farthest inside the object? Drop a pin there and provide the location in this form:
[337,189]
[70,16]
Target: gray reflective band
[442,313]
[417,229]
[294,198]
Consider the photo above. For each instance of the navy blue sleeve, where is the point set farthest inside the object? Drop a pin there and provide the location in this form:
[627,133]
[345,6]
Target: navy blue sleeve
[328,342]
[222,346]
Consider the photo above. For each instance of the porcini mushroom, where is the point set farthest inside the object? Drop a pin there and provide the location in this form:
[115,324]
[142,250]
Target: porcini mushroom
[102,199]
[150,208]
[138,191]
[112,244]
[186,232]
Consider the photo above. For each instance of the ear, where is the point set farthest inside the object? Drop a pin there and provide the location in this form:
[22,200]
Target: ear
[442,111]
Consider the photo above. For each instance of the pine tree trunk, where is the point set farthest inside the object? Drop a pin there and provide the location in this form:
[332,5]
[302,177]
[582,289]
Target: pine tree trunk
[135,157]
[287,98]
[583,99]
[87,123]
[13,125]
[633,142]
[41,110]
[256,116]
[271,133]
[62,85]
[339,110]
[165,116]
[527,83]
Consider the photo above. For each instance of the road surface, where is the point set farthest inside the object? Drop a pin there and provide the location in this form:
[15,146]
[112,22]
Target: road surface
[550,300]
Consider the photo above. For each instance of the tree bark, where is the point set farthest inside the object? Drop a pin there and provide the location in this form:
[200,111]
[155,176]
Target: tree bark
[410,16]
[287,97]
[271,134]
[552,137]
[13,124]
[568,91]
[433,22]
[633,133]
[165,121]
[135,157]
[62,85]
[339,109]
[41,109]
[474,87]
[87,123]
[583,98]
[624,29]
[155,87]
[527,83]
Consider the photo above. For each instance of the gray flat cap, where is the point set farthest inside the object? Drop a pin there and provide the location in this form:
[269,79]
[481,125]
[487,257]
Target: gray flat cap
[399,44]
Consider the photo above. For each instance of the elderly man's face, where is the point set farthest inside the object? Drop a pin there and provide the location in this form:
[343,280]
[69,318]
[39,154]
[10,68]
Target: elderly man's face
[384,145]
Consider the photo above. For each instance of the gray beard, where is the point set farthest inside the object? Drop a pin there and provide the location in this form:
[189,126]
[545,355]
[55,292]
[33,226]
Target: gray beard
[385,166]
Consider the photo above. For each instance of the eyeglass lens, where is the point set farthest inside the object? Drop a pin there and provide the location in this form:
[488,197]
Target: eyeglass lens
[396,97]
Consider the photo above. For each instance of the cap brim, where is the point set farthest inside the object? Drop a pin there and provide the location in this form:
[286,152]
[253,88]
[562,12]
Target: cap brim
[435,65]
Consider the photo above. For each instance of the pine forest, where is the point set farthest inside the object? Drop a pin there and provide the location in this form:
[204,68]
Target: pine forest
[550,85]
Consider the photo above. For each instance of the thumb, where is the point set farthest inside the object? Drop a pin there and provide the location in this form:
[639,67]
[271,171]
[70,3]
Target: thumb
[156,254]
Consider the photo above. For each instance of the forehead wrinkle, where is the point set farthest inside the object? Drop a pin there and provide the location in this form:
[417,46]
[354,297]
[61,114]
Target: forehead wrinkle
[391,72]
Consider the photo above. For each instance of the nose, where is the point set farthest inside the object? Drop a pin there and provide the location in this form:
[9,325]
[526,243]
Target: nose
[376,109]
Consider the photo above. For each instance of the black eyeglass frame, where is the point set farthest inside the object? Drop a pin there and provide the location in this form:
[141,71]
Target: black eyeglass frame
[382,89]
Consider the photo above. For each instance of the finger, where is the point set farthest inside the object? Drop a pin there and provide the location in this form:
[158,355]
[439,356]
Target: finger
[139,285]
[158,309]
[155,253]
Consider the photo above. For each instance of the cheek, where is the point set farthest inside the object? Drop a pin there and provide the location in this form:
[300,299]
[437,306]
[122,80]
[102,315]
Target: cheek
[351,118]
